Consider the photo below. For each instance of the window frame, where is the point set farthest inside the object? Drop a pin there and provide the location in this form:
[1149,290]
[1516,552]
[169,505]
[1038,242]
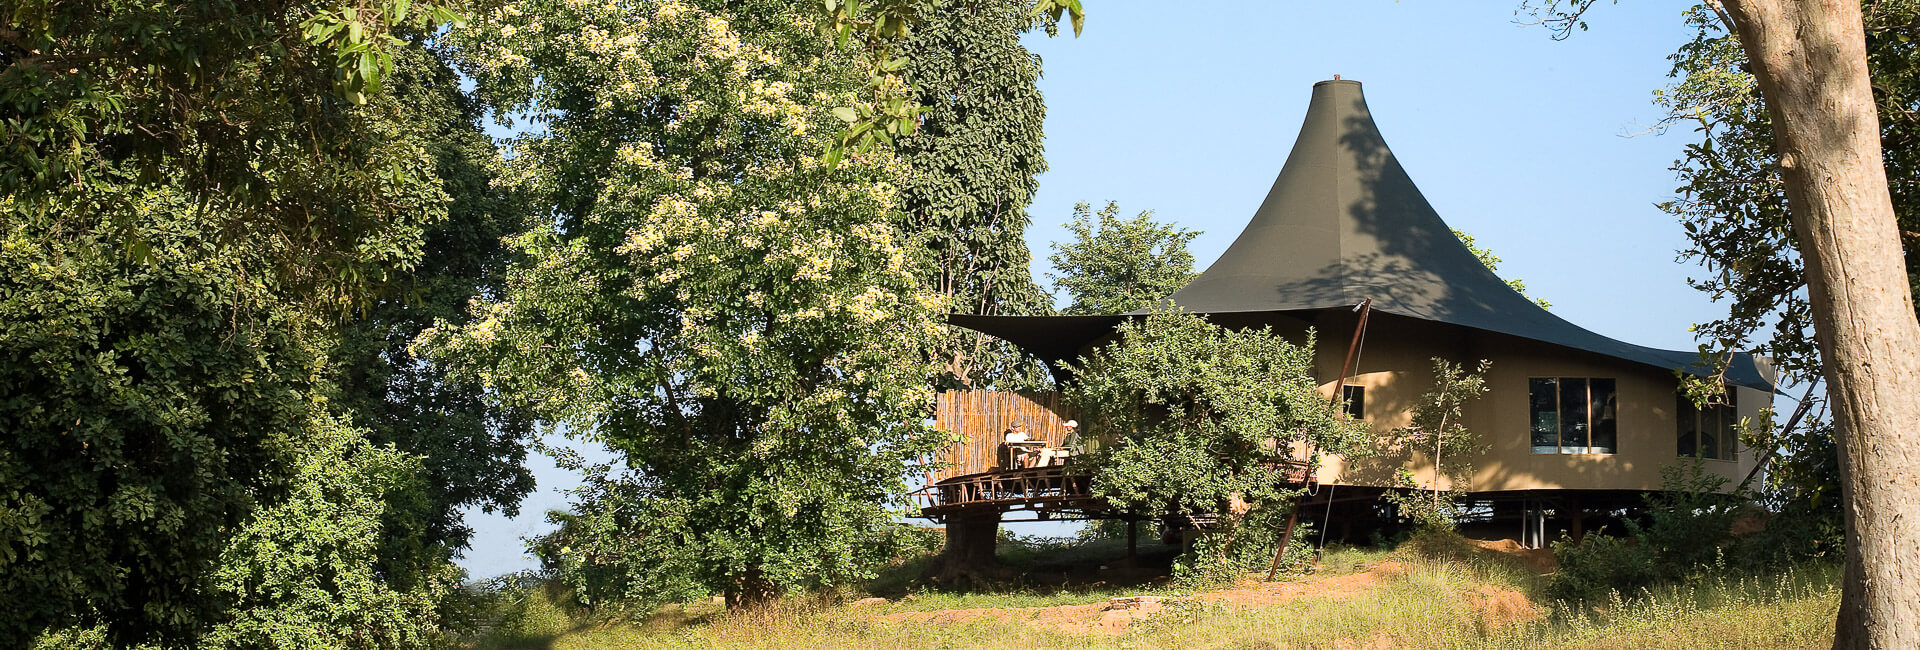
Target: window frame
[1725,421]
[1588,427]
[1353,400]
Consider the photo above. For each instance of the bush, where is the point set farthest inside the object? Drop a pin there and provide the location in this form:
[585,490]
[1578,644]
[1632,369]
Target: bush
[1600,564]
[1689,526]
[1224,555]
[302,573]
[1689,522]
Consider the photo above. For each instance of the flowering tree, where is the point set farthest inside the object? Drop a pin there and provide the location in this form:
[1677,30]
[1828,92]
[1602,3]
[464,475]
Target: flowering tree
[709,298]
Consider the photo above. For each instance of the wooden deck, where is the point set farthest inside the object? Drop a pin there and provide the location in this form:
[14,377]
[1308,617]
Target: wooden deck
[1056,492]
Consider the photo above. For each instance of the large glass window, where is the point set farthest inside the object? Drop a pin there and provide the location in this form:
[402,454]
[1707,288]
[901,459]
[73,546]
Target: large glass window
[1712,431]
[1573,415]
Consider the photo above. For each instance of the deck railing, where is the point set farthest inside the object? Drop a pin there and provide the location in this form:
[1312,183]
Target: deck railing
[1058,490]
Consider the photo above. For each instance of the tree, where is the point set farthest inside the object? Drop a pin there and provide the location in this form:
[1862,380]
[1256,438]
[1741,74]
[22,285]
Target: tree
[1437,424]
[1116,265]
[472,451]
[738,320]
[306,571]
[1200,417]
[192,194]
[971,169]
[1492,263]
[1809,60]
[1732,200]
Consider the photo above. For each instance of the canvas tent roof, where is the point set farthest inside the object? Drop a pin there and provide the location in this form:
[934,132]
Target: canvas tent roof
[1342,223]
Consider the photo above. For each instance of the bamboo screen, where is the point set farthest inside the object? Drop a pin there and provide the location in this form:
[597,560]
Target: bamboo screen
[982,416]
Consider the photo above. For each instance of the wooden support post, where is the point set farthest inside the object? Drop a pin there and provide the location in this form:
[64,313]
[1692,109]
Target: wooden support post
[1133,540]
[1577,517]
[1286,538]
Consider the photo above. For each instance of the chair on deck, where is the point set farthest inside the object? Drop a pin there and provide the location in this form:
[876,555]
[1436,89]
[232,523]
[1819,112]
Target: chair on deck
[1021,450]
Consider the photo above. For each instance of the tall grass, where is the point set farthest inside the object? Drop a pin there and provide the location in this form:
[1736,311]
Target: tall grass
[1430,605]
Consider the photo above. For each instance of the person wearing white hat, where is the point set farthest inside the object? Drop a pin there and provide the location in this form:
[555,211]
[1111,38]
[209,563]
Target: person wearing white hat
[1058,455]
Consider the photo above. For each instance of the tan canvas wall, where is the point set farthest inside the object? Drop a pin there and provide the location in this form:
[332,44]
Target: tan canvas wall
[1395,368]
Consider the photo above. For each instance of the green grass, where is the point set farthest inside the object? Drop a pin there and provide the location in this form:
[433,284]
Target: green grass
[1426,607]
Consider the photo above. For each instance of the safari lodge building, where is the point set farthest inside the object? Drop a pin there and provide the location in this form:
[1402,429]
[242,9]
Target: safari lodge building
[1578,425]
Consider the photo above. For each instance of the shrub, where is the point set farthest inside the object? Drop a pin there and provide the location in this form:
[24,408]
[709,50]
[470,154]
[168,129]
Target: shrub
[1224,555]
[1689,521]
[1591,568]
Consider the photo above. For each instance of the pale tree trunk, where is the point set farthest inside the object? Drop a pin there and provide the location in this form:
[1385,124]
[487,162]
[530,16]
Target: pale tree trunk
[1809,57]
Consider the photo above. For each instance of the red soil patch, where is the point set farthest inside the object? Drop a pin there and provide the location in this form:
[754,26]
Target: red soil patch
[1499,607]
[1538,560]
[1380,641]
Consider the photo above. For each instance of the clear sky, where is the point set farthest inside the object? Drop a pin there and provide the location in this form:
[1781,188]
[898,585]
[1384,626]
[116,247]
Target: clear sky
[1189,110]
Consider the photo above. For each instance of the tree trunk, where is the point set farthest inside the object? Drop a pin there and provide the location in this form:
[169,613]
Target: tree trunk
[1809,57]
[751,592]
[968,561]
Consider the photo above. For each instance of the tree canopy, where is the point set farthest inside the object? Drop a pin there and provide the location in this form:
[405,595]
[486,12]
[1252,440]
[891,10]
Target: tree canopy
[740,321]
[1732,200]
[192,197]
[1115,264]
[1193,415]
[971,168]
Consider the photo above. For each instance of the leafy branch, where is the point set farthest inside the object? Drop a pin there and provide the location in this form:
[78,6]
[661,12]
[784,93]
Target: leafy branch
[362,37]
[891,110]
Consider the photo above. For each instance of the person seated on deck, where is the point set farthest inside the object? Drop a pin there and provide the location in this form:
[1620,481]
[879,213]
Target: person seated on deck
[1022,449]
[1059,455]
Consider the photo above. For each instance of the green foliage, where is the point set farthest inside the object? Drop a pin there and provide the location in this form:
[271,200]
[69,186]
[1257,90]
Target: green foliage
[1805,519]
[1438,426]
[362,39]
[1599,565]
[1492,262]
[736,318]
[888,109]
[1732,201]
[1200,415]
[231,105]
[1688,528]
[631,545]
[1690,519]
[1245,545]
[894,103]
[187,210]
[472,451]
[972,168]
[1115,265]
[303,573]
[149,405]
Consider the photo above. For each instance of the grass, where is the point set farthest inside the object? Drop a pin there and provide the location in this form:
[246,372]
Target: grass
[1430,605]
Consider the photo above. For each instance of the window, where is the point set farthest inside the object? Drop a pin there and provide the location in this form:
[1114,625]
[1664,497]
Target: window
[1573,415]
[1356,399]
[1712,431]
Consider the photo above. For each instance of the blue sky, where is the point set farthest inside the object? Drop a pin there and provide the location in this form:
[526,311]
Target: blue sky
[1189,110]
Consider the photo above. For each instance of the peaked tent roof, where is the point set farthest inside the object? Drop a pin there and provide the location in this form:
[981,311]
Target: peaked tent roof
[1342,223]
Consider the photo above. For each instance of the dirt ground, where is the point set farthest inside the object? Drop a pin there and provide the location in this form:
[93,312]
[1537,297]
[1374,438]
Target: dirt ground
[1497,606]
[1539,560]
